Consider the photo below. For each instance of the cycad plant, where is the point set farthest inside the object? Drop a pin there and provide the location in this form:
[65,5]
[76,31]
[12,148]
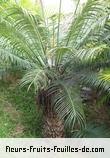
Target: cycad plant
[58,63]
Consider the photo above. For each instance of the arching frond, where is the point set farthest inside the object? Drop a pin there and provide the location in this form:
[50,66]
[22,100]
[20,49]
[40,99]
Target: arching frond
[36,77]
[93,131]
[105,75]
[93,16]
[8,56]
[24,28]
[68,104]
[92,79]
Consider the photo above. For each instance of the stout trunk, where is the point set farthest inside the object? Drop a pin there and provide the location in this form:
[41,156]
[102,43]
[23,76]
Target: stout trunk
[53,127]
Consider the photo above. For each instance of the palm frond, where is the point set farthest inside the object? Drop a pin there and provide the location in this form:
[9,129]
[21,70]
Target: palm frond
[92,16]
[26,27]
[93,79]
[36,77]
[8,56]
[105,75]
[93,131]
[68,104]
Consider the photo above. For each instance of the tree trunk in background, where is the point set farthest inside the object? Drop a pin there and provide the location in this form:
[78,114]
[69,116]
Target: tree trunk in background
[53,127]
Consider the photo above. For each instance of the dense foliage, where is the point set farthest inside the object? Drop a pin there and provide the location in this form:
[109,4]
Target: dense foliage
[61,62]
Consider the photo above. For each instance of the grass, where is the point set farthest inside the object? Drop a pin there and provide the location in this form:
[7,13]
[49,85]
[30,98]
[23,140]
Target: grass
[18,112]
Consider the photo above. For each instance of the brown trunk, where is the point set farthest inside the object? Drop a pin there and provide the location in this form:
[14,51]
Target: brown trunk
[53,127]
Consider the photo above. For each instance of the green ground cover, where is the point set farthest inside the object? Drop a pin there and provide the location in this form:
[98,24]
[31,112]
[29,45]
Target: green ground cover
[18,112]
